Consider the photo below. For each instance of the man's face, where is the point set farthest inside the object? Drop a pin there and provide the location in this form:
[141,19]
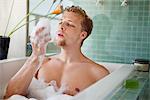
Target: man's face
[70,30]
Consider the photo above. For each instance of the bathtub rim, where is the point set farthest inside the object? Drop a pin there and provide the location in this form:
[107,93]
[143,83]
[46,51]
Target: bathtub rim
[102,84]
[12,60]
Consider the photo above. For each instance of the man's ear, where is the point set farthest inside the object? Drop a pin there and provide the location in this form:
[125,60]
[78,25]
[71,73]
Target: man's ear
[83,35]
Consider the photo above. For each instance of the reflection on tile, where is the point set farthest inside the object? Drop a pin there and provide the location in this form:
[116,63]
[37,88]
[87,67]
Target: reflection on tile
[120,34]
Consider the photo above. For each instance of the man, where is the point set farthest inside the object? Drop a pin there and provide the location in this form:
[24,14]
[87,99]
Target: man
[70,67]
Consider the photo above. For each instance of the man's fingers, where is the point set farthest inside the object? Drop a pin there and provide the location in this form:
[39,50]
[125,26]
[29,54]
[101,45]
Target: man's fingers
[40,30]
[40,41]
[47,40]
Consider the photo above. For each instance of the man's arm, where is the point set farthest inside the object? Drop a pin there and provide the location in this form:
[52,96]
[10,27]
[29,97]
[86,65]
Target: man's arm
[20,82]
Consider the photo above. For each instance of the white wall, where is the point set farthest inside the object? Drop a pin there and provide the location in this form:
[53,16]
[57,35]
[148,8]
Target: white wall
[18,40]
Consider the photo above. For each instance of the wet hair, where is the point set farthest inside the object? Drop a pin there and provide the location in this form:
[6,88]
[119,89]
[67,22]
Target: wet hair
[86,23]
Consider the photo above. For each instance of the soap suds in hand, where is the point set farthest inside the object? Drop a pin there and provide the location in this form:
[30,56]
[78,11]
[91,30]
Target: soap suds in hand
[42,38]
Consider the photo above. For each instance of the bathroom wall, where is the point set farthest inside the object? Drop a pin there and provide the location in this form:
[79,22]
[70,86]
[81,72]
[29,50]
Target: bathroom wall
[120,34]
[18,39]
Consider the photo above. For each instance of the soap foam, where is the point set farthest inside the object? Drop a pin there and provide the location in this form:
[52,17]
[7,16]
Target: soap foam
[41,39]
[19,97]
[39,90]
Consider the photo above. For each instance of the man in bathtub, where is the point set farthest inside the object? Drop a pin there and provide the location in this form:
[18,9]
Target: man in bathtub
[69,67]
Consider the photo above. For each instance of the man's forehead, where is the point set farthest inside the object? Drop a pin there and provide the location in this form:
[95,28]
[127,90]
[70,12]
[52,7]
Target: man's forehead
[71,15]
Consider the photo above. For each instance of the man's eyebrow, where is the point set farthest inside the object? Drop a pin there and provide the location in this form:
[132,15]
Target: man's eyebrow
[70,20]
[67,20]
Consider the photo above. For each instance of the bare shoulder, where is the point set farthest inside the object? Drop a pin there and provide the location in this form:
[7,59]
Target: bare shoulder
[97,70]
[50,59]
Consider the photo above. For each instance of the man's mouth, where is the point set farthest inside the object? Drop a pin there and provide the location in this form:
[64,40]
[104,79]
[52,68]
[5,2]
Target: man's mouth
[60,34]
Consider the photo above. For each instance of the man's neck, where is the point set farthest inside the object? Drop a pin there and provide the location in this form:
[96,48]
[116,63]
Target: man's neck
[71,55]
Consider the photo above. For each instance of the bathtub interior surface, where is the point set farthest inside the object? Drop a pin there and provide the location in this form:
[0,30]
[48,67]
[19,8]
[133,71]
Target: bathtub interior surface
[111,66]
[10,67]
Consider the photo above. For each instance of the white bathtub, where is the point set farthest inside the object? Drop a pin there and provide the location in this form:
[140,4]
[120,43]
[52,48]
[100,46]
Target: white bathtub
[106,87]
[101,90]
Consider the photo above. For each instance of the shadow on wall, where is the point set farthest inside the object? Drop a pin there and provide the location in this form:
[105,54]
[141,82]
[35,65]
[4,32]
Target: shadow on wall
[101,31]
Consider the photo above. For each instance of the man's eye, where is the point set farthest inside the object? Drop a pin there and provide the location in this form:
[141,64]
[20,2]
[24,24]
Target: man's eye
[60,23]
[67,24]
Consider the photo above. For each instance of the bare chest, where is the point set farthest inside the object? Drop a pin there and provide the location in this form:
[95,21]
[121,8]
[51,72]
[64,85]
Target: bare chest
[75,77]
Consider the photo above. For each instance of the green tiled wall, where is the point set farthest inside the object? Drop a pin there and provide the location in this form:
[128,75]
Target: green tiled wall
[120,34]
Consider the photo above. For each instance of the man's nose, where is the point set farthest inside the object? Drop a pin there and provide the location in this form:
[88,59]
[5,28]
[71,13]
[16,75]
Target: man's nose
[62,27]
